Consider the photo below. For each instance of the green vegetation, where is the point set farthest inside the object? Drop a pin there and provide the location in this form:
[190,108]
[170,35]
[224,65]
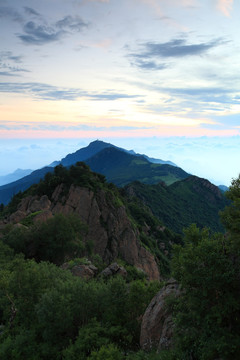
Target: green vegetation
[46,313]
[207,315]
[122,168]
[56,240]
[192,200]
[45,241]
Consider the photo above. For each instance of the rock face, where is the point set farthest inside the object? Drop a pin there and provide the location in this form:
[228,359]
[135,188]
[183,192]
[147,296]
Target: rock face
[109,227]
[157,325]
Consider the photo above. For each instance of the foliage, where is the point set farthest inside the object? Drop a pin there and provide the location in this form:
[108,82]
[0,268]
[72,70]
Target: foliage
[207,313]
[122,168]
[106,352]
[154,236]
[182,203]
[50,313]
[28,220]
[54,240]
[47,313]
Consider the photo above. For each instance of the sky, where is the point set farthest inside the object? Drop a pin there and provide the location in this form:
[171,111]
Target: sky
[157,76]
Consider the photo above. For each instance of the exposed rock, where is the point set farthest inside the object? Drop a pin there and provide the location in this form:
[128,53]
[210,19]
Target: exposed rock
[43,216]
[84,271]
[16,217]
[29,205]
[109,228]
[114,269]
[24,204]
[37,205]
[157,325]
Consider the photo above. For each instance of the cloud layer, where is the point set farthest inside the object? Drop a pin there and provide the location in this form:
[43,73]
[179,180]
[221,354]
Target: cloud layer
[50,92]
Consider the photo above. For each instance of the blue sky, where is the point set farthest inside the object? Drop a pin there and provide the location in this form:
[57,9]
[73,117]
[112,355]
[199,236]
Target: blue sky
[126,71]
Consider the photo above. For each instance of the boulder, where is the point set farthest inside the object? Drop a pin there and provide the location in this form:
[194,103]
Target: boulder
[157,325]
[114,269]
[84,271]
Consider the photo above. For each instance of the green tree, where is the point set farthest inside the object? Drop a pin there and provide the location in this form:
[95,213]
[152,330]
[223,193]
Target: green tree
[55,240]
[207,314]
[107,352]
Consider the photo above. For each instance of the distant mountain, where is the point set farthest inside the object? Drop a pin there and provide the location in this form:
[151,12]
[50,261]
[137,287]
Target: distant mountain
[114,168]
[158,161]
[223,188]
[121,168]
[16,175]
[95,147]
[192,200]
[9,190]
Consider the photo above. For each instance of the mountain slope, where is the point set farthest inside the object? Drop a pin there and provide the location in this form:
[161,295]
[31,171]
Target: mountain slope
[112,231]
[95,147]
[84,153]
[122,168]
[192,200]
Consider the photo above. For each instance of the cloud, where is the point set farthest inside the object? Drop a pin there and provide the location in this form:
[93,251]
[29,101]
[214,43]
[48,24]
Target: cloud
[8,12]
[9,64]
[174,48]
[205,94]
[39,32]
[52,93]
[228,120]
[102,1]
[8,55]
[31,11]
[148,65]
[71,23]
[60,127]
[225,6]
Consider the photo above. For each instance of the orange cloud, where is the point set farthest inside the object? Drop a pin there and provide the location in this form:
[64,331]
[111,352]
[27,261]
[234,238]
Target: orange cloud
[225,6]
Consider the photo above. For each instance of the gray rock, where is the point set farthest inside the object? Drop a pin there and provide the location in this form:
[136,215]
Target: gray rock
[157,325]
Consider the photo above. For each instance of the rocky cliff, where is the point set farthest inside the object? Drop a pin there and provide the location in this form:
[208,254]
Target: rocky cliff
[109,228]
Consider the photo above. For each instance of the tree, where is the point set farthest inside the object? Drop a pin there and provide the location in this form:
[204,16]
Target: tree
[55,240]
[207,314]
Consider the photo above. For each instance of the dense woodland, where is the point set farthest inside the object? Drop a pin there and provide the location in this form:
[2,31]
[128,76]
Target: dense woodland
[47,313]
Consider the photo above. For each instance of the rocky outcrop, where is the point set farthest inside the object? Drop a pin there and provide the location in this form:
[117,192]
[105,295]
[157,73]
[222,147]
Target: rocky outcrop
[109,227]
[32,204]
[157,325]
[114,269]
[85,271]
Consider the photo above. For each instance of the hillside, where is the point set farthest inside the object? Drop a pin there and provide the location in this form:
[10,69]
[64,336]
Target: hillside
[116,228]
[192,200]
[95,147]
[122,168]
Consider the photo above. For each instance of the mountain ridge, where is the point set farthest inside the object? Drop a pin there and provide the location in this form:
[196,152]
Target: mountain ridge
[83,154]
